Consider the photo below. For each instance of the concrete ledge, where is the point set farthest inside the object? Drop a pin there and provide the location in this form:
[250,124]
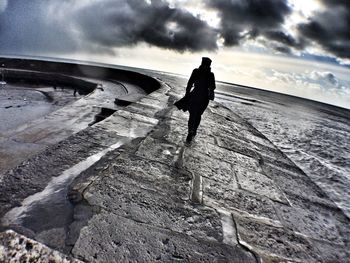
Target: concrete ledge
[73,69]
[54,79]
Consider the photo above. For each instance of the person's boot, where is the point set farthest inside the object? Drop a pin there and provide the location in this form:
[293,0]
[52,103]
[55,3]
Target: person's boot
[190,136]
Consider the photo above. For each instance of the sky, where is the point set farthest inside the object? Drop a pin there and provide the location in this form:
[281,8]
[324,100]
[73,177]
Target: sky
[298,47]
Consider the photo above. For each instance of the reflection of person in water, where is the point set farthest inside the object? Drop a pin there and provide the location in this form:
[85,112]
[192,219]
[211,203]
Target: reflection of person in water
[197,100]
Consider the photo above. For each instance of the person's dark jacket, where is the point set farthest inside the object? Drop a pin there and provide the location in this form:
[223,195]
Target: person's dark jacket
[203,82]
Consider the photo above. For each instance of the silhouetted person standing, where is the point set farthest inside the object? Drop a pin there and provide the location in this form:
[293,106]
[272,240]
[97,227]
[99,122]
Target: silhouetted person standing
[197,99]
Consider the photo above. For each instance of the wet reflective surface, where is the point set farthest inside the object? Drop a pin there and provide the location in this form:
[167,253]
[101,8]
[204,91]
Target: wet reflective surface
[20,104]
[51,208]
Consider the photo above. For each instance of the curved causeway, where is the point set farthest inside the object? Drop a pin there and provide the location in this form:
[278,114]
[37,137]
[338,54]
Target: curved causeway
[127,188]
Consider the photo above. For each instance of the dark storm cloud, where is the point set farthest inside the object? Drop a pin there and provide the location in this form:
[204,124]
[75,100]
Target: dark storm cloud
[285,39]
[253,18]
[345,3]
[99,26]
[330,28]
[122,23]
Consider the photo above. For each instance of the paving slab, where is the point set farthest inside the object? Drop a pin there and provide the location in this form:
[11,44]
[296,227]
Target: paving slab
[99,135]
[127,124]
[203,165]
[275,243]
[227,155]
[278,170]
[144,108]
[217,194]
[238,146]
[175,131]
[292,185]
[260,184]
[155,208]
[318,225]
[158,150]
[123,239]
[148,174]
[230,117]
[331,253]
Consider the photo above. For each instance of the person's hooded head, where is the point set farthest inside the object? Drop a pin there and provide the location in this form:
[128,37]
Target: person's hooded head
[206,62]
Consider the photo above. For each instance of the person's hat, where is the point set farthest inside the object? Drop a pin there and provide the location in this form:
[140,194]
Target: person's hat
[206,61]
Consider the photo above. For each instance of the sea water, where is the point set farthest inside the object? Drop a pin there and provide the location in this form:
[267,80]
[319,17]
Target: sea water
[313,135]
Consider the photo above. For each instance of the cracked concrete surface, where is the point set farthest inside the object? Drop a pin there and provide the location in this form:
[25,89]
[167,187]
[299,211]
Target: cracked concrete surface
[230,196]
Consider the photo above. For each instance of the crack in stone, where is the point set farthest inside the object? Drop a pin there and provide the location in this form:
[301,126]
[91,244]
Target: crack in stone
[257,258]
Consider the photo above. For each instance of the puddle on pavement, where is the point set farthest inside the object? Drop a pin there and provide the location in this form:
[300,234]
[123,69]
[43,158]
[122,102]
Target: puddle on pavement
[23,103]
[50,208]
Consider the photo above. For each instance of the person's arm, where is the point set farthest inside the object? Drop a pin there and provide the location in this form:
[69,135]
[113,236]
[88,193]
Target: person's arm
[212,84]
[191,82]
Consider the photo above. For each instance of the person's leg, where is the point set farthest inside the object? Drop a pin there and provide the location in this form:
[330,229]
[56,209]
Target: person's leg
[194,120]
[198,116]
[191,126]
[197,121]
[191,122]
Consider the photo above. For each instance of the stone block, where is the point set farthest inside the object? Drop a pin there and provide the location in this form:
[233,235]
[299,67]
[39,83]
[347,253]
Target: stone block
[242,162]
[270,241]
[310,215]
[276,158]
[217,152]
[295,185]
[226,114]
[315,224]
[158,150]
[226,128]
[100,135]
[150,174]
[331,253]
[150,192]
[142,108]
[210,168]
[127,124]
[171,131]
[259,184]
[277,170]
[156,209]
[156,100]
[238,146]
[228,197]
[124,240]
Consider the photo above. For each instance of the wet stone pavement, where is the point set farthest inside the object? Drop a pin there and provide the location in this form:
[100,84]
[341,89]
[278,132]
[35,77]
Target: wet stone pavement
[146,196]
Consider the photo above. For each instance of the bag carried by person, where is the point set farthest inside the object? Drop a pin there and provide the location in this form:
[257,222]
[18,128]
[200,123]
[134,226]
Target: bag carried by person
[182,104]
